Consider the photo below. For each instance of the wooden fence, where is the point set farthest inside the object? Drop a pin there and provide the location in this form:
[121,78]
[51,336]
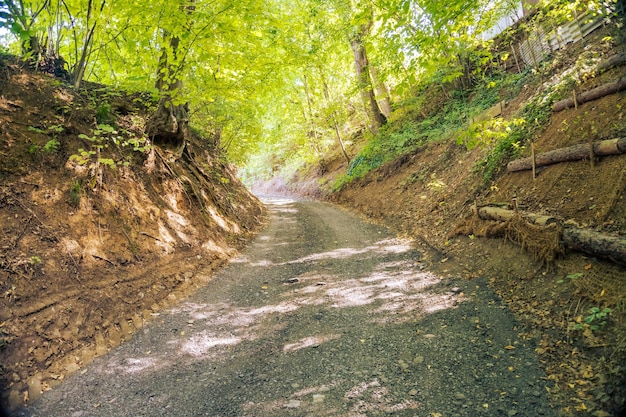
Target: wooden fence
[539,45]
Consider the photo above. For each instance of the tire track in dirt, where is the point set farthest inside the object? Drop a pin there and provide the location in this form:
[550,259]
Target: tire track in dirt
[323,315]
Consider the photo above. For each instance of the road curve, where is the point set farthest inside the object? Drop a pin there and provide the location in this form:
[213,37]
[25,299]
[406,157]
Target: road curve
[322,315]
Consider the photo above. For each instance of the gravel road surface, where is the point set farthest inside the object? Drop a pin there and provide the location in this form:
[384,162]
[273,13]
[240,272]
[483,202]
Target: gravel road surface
[322,315]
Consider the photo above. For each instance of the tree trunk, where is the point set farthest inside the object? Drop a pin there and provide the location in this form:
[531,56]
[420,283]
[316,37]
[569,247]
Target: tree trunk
[334,117]
[572,153]
[594,243]
[310,118]
[594,94]
[361,65]
[169,125]
[382,93]
[81,65]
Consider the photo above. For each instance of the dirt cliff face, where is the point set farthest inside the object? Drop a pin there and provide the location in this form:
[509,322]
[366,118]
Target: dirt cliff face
[100,229]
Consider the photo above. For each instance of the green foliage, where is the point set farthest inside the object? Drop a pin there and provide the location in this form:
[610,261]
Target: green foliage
[486,133]
[531,120]
[595,320]
[51,146]
[571,277]
[275,77]
[75,193]
[36,130]
[34,260]
[406,134]
[103,114]
[101,138]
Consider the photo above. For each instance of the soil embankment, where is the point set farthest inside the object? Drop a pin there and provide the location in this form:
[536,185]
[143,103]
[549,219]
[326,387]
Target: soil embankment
[100,229]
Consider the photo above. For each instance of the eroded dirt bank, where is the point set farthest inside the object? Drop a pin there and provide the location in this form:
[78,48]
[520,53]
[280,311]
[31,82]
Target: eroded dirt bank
[323,315]
[100,228]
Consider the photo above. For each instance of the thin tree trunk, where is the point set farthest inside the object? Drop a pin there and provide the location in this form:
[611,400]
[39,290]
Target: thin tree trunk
[310,116]
[81,65]
[334,117]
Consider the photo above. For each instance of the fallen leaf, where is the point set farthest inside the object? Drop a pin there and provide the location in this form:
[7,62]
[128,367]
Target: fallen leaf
[587,267]
[509,347]
[581,407]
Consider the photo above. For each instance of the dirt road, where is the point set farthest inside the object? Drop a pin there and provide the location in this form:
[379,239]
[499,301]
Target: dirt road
[323,315]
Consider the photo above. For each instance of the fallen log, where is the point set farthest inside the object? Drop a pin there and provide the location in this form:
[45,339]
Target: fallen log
[594,243]
[593,94]
[612,62]
[571,153]
[574,238]
[500,214]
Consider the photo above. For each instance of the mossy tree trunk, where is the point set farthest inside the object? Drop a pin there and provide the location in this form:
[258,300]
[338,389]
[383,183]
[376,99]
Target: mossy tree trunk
[169,125]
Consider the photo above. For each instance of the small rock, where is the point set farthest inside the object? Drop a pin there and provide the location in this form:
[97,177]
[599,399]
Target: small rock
[413,392]
[512,413]
[459,396]
[292,280]
[293,404]
[34,387]
[318,398]
[418,360]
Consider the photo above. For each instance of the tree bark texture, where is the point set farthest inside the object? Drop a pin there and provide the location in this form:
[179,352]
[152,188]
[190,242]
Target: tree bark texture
[574,238]
[169,124]
[361,65]
[612,62]
[500,214]
[382,93]
[594,243]
[334,116]
[571,153]
[594,94]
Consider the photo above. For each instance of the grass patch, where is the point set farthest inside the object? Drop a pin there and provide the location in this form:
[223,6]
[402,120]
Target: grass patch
[407,134]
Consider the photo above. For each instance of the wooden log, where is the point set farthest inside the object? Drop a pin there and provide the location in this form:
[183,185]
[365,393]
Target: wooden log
[594,243]
[614,61]
[574,238]
[500,214]
[593,94]
[571,153]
